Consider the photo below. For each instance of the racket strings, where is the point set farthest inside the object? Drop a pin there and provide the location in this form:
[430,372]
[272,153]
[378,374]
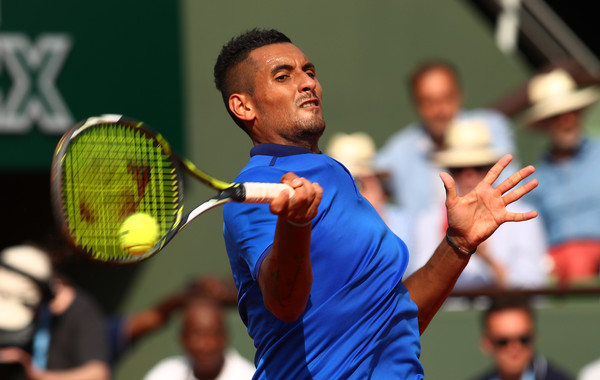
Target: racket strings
[111,172]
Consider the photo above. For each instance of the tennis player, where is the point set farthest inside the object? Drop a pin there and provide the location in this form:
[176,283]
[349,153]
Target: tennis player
[319,273]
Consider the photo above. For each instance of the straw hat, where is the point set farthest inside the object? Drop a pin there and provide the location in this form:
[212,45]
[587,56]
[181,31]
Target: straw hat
[24,275]
[468,143]
[355,151]
[555,93]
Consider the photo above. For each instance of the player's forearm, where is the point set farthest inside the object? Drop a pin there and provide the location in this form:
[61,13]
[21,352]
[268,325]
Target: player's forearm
[285,276]
[429,286]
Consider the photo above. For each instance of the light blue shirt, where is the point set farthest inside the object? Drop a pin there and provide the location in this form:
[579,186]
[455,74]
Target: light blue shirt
[568,195]
[415,179]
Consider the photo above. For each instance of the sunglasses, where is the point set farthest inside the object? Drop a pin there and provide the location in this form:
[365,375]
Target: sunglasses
[524,340]
[479,169]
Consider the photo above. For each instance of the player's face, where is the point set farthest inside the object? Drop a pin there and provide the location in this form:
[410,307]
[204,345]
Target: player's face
[437,98]
[286,95]
[204,339]
[510,339]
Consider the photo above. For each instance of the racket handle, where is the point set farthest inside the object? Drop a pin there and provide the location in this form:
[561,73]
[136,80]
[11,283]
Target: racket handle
[264,192]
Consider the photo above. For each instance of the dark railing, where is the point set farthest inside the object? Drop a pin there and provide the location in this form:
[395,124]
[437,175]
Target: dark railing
[544,291]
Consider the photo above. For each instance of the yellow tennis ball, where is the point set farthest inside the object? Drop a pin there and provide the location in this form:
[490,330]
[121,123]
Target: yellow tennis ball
[138,233]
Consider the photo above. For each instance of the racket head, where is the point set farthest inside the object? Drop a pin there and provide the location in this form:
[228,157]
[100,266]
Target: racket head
[105,169]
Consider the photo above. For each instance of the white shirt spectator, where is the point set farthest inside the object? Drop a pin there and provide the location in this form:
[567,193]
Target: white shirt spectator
[236,367]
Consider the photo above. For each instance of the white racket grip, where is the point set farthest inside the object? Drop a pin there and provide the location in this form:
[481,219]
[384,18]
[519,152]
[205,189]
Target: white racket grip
[257,192]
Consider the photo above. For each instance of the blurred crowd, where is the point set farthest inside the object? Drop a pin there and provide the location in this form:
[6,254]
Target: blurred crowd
[52,329]
[560,247]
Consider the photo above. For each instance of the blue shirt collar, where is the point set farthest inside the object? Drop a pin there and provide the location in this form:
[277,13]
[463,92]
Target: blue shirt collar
[277,150]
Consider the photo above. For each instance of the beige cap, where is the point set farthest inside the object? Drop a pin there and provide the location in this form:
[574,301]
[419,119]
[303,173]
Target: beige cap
[22,269]
[468,143]
[555,93]
[355,151]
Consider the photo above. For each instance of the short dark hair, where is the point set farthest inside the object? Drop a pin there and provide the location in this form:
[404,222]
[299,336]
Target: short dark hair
[236,51]
[501,303]
[431,65]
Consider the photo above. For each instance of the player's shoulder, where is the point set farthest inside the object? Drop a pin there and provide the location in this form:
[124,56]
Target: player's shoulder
[260,172]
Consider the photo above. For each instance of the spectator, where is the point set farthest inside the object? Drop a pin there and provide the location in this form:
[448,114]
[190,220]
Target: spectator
[24,286]
[204,339]
[68,341]
[125,331]
[356,151]
[590,371]
[514,256]
[568,200]
[509,337]
[437,97]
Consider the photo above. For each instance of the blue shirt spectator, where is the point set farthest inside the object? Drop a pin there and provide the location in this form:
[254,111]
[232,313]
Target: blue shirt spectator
[437,97]
[414,177]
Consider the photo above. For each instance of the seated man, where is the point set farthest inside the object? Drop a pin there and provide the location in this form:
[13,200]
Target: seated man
[509,338]
[204,338]
[568,200]
[437,97]
[514,256]
[125,331]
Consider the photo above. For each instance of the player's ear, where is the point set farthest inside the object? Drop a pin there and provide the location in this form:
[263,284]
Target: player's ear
[242,107]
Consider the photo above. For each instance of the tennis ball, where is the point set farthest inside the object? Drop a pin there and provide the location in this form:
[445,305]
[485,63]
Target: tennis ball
[138,233]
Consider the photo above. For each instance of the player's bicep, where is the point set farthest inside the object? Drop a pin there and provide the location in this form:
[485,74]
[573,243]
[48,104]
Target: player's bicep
[249,233]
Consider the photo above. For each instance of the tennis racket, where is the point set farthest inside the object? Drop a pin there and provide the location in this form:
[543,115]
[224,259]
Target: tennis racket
[109,167]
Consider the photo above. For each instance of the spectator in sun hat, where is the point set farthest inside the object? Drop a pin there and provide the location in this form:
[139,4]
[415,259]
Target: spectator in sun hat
[568,201]
[356,152]
[25,273]
[63,330]
[513,257]
[24,284]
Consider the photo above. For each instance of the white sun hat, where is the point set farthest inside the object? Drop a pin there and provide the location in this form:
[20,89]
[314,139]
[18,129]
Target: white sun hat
[355,151]
[24,275]
[468,143]
[555,93]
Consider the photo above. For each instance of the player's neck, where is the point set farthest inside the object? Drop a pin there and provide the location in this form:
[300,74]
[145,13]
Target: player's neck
[311,143]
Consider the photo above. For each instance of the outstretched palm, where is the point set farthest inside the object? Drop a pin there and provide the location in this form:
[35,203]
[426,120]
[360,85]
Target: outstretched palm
[475,216]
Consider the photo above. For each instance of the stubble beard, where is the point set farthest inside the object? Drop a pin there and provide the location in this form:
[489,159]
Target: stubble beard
[307,131]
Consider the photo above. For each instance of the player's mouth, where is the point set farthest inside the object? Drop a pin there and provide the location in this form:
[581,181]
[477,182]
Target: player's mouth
[310,103]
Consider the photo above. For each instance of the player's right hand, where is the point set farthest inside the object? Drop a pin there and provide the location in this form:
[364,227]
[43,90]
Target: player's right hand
[302,206]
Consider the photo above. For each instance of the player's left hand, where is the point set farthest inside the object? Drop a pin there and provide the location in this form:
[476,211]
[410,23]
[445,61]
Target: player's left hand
[473,217]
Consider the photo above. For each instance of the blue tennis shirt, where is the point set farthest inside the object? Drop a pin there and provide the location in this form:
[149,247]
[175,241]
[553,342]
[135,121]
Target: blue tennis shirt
[359,322]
